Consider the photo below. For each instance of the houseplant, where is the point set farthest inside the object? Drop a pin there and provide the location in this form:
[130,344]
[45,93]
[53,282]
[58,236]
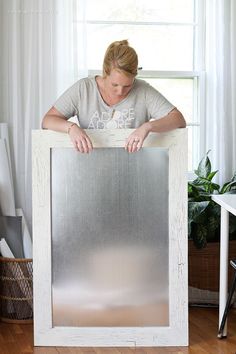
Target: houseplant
[204,233]
[203,212]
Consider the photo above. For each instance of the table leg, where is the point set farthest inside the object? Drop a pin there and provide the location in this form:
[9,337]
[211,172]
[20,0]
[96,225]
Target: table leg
[224,261]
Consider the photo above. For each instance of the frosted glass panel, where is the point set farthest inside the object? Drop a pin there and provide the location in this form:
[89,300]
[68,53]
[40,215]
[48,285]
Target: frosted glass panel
[110,237]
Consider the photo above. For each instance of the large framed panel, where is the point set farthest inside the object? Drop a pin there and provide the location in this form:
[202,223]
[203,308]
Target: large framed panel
[110,241]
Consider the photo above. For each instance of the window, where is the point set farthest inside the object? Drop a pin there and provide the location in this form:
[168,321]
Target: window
[169,39]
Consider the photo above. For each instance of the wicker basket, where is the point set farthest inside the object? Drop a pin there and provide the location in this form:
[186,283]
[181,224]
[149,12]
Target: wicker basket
[16,290]
[204,265]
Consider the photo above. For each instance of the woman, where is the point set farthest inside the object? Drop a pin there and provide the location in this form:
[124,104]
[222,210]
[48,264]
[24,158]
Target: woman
[114,100]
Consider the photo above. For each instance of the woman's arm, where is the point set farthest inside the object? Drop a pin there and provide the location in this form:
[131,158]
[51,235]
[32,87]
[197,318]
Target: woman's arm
[54,120]
[172,120]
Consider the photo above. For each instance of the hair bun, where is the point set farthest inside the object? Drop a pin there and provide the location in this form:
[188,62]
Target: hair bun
[123,42]
[121,56]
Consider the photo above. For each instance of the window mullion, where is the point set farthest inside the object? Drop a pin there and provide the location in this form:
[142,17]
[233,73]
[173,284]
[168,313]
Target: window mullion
[168,74]
[159,74]
[137,23]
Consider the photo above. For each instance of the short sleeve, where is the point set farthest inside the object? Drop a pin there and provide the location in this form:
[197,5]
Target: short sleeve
[157,105]
[68,103]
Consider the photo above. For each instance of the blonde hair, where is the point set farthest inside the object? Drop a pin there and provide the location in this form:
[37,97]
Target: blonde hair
[119,55]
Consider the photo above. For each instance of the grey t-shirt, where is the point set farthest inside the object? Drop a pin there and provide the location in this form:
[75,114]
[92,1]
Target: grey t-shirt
[84,100]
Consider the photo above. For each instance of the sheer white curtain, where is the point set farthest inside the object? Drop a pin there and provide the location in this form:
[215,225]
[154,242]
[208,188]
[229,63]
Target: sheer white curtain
[220,127]
[36,65]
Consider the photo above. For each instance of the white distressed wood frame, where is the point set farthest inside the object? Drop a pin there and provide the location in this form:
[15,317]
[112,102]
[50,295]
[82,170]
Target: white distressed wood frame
[176,334]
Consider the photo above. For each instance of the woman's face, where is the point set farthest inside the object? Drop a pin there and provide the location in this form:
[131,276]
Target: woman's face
[117,84]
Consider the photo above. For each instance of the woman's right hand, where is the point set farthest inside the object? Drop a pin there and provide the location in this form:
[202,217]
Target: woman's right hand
[54,120]
[80,139]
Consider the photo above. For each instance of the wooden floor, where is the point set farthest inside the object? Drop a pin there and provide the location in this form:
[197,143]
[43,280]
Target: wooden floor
[203,323]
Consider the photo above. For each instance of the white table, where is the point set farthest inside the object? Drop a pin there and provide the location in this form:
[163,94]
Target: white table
[228,204]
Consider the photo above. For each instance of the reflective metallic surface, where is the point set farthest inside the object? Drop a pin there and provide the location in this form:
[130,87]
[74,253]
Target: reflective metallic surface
[110,237]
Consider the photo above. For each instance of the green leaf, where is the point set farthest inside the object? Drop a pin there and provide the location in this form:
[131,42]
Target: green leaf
[200,236]
[227,187]
[206,185]
[192,190]
[202,218]
[211,175]
[234,177]
[203,190]
[215,187]
[204,167]
[200,181]
[214,210]
[212,225]
[205,195]
[194,210]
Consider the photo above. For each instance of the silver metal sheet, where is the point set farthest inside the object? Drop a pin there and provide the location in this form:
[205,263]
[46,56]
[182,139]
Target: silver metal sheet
[110,237]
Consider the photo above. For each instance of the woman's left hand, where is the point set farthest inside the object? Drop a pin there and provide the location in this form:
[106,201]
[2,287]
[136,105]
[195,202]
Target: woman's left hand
[135,141]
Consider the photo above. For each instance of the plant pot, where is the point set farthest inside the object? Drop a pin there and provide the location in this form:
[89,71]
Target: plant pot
[204,265]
